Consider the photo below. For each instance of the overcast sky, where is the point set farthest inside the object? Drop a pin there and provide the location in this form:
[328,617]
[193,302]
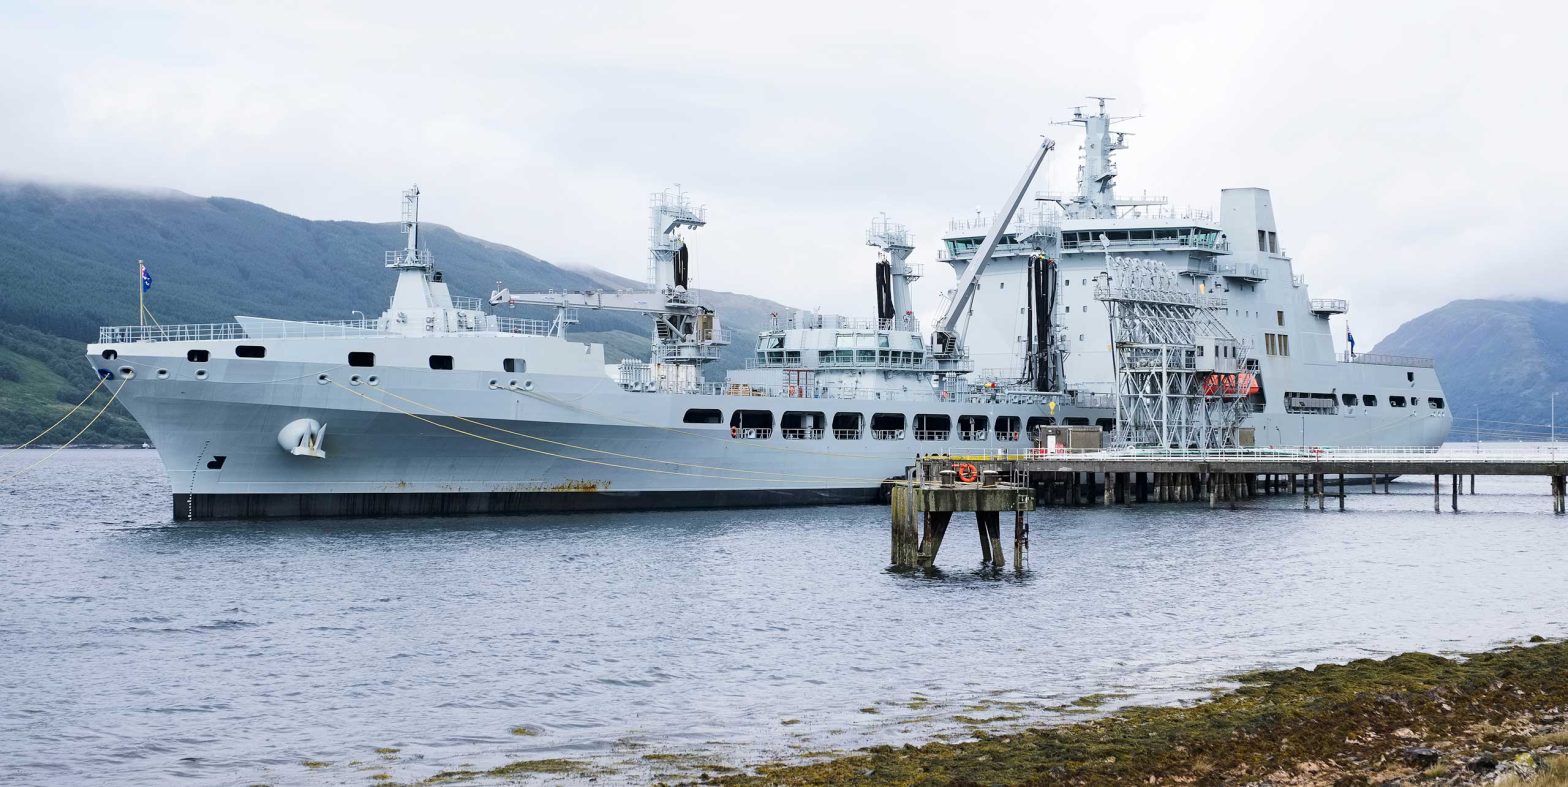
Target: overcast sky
[1414,150]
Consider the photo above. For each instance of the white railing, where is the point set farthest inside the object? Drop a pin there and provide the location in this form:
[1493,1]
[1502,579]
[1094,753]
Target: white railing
[291,329]
[1470,453]
[1331,305]
[465,302]
[887,434]
[846,434]
[801,434]
[1378,359]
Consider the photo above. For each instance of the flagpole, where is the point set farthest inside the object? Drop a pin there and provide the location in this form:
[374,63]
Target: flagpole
[141,296]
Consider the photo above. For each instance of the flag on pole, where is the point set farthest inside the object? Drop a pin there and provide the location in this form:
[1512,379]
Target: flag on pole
[1350,339]
[146,278]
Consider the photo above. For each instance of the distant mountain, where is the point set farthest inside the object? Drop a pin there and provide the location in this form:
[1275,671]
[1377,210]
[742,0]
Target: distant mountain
[1503,359]
[69,254]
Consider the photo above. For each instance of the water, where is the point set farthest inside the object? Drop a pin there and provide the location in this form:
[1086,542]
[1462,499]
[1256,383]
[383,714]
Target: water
[138,651]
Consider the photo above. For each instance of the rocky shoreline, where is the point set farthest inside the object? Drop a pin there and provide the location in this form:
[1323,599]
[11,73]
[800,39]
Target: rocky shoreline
[1499,717]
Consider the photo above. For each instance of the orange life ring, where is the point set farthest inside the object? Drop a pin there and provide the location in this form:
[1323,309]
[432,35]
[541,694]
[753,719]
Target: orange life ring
[967,472]
[734,431]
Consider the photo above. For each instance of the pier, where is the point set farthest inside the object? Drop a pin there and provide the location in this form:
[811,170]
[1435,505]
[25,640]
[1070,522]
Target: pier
[938,486]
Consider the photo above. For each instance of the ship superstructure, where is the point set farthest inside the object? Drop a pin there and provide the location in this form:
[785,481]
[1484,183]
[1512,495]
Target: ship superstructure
[1071,310]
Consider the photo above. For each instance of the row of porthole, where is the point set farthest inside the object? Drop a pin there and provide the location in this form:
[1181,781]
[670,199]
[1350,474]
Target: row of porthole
[128,373]
[528,385]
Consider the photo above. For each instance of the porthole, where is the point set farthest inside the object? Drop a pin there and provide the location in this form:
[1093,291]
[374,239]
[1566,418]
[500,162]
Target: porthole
[373,380]
[323,378]
[494,384]
[353,380]
[528,385]
[127,372]
[163,374]
[201,374]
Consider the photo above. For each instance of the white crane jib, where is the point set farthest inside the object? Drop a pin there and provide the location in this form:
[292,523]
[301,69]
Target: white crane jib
[684,331]
[947,338]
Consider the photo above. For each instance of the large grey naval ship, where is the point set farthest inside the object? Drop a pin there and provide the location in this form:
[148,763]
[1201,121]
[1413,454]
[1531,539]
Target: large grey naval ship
[1166,328]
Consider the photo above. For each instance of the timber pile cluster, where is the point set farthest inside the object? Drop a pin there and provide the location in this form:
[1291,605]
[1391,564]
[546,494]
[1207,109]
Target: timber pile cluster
[1415,719]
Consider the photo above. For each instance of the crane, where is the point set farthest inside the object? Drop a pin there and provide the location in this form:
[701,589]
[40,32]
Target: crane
[947,339]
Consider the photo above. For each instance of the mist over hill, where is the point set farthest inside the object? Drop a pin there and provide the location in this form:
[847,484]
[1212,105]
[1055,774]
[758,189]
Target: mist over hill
[70,252]
[1499,360]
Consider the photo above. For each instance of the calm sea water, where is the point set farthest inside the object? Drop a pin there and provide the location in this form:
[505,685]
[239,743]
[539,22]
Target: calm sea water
[137,651]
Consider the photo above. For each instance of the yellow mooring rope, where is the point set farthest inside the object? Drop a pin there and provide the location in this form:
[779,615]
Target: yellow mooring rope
[763,473]
[63,417]
[554,455]
[79,433]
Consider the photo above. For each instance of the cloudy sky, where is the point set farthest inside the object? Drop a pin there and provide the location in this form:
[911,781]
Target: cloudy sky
[1414,149]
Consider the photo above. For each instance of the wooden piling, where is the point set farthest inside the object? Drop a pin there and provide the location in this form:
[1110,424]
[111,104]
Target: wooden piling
[1322,503]
[904,539]
[1455,483]
[936,530]
[985,536]
[993,524]
[1342,491]
[1437,495]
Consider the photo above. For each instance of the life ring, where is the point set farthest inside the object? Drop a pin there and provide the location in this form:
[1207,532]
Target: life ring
[734,432]
[967,472]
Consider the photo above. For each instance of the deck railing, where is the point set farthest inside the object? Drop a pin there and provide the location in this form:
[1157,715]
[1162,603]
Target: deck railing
[1386,360]
[292,329]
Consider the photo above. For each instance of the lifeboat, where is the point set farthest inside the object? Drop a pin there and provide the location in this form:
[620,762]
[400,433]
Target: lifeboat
[1239,384]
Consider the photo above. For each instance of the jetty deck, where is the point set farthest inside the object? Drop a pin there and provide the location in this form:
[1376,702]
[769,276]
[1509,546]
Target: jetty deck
[938,486]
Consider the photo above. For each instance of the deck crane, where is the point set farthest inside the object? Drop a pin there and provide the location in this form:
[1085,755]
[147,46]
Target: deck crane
[947,342]
[684,331]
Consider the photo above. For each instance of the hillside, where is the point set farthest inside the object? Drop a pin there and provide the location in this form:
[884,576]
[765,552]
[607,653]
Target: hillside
[1504,357]
[70,259]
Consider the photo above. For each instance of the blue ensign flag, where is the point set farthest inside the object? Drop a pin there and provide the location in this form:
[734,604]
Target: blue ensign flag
[1350,339]
[146,279]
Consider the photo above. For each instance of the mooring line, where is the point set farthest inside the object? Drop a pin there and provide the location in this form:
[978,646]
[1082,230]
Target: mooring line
[762,473]
[552,454]
[63,417]
[63,446]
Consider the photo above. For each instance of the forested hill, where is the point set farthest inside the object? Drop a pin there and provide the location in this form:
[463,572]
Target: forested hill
[1501,360]
[69,254]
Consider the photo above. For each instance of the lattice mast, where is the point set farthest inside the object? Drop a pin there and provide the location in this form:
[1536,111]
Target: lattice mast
[1178,369]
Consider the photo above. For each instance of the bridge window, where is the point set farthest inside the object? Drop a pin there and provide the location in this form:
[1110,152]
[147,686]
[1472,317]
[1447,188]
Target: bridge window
[1273,243]
[751,424]
[1396,401]
[933,427]
[518,365]
[1309,403]
[250,351]
[972,427]
[441,362]
[1349,400]
[887,426]
[801,426]
[1279,317]
[1007,427]
[361,359]
[197,356]
[698,415]
[1436,403]
[1263,241]
[1368,400]
[847,426]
